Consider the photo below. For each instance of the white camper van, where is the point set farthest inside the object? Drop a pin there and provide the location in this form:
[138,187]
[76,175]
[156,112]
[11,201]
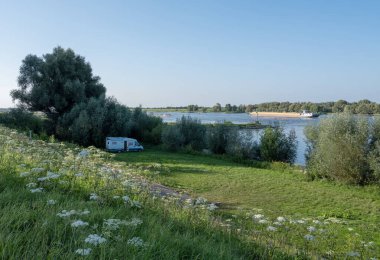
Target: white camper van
[123,144]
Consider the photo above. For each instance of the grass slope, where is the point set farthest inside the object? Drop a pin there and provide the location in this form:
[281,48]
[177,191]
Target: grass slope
[280,191]
[53,196]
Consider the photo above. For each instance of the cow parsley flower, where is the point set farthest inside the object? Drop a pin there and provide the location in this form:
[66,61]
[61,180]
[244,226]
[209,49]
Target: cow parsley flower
[311,229]
[25,174]
[126,198]
[83,153]
[79,174]
[31,185]
[116,197]
[258,216]
[353,254]
[212,207]
[263,221]
[51,202]
[112,224]
[309,237]
[95,239]
[83,251]
[134,222]
[281,219]
[136,241]
[93,196]
[271,228]
[37,190]
[37,170]
[79,223]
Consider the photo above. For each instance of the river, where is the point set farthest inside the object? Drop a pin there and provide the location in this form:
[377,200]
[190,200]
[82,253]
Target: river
[298,124]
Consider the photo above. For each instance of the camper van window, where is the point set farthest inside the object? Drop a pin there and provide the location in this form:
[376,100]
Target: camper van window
[114,143]
[137,143]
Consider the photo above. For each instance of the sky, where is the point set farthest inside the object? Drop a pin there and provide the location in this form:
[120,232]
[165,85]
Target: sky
[174,53]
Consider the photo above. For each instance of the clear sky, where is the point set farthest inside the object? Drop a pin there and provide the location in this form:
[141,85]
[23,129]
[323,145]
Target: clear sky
[169,53]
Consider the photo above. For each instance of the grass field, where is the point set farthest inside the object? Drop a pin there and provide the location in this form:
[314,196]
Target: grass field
[342,220]
[60,201]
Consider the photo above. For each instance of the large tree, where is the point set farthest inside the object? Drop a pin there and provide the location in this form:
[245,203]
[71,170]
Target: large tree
[56,82]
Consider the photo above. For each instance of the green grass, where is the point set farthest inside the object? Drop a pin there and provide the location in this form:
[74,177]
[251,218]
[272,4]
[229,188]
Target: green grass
[276,191]
[31,229]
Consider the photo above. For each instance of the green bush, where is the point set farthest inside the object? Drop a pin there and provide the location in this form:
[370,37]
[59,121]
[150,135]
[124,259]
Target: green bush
[193,132]
[344,148]
[275,145]
[172,138]
[23,120]
[219,136]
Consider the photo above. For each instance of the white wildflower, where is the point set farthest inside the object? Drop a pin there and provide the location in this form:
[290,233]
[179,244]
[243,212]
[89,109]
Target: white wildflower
[24,174]
[134,222]
[112,224]
[301,221]
[125,198]
[79,223]
[200,200]
[317,222]
[263,221]
[64,213]
[135,241]
[84,212]
[353,254]
[311,229]
[37,170]
[83,153]
[83,251]
[281,219]
[51,202]
[95,239]
[258,216]
[79,174]
[212,207]
[309,237]
[116,197]
[271,228]
[37,190]
[350,229]
[31,185]
[93,196]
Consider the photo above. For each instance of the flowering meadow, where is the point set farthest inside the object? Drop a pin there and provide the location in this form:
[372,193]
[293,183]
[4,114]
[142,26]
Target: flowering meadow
[59,200]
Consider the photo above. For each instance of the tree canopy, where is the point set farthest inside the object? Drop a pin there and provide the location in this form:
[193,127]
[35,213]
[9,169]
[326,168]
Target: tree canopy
[56,82]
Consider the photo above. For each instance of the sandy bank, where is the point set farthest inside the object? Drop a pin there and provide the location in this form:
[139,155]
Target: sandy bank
[276,114]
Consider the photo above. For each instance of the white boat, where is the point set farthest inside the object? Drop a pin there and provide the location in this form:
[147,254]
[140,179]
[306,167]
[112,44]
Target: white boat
[308,114]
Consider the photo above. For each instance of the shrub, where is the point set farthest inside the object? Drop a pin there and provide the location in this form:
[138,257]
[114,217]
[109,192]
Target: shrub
[23,120]
[193,132]
[344,148]
[275,145]
[172,138]
[219,136]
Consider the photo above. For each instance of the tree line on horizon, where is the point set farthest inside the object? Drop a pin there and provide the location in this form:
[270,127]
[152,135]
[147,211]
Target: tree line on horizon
[364,106]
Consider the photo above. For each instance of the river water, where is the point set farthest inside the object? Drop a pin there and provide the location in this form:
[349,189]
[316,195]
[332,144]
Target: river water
[298,124]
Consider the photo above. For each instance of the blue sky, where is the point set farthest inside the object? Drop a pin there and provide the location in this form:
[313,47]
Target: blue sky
[169,53]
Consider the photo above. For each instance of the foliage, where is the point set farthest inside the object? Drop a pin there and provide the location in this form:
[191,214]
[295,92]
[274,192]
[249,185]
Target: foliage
[172,138]
[23,120]
[225,139]
[275,145]
[61,85]
[343,147]
[56,82]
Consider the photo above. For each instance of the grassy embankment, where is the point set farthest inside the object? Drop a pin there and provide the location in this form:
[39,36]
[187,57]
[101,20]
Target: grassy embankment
[58,201]
[276,205]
